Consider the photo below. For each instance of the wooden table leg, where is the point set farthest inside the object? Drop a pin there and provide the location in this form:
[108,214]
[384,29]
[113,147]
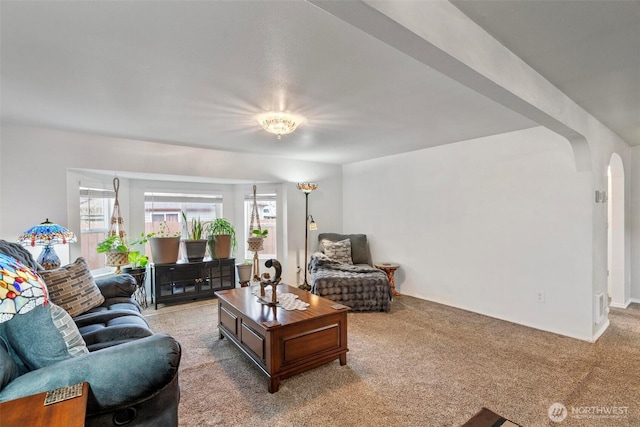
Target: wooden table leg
[274,384]
[392,281]
[343,359]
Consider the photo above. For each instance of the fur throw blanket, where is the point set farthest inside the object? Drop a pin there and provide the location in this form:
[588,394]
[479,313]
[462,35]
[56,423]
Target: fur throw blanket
[320,260]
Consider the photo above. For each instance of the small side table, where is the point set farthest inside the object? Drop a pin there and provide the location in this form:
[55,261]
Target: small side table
[31,411]
[390,270]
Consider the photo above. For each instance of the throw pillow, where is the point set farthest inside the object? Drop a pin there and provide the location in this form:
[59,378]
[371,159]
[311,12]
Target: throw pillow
[359,246]
[73,288]
[44,336]
[68,331]
[338,251]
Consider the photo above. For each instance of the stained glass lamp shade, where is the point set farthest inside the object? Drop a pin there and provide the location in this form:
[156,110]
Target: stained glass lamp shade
[47,234]
[21,289]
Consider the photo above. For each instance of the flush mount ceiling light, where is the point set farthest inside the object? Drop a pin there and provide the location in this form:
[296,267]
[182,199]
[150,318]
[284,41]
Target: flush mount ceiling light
[279,123]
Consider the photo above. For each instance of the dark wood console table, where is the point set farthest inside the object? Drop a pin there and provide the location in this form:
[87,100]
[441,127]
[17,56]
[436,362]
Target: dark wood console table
[284,343]
[191,280]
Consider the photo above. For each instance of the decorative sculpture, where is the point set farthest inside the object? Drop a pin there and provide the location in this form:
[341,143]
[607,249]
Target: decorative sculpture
[266,281]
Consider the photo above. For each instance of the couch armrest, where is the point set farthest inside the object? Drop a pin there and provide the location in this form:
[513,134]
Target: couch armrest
[121,285]
[118,376]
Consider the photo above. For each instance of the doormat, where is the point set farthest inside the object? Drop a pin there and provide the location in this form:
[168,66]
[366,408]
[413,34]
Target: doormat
[487,418]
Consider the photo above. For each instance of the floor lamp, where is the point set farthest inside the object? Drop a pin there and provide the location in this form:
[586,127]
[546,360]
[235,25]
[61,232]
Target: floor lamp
[307,187]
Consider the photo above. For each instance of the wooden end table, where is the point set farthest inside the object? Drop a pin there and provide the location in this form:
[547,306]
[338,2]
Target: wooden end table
[31,411]
[390,269]
[283,343]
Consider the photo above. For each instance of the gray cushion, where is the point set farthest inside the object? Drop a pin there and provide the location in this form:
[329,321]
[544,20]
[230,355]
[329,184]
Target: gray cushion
[111,327]
[359,248]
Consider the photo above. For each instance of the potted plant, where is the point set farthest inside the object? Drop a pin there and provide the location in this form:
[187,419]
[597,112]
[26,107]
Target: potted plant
[115,250]
[244,272]
[164,244]
[256,240]
[195,246]
[222,238]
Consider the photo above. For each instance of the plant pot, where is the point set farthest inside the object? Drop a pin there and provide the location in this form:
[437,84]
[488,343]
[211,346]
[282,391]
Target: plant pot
[220,246]
[244,272]
[194,250]
[138,273]
[164,250]
[116,259]
[256,244]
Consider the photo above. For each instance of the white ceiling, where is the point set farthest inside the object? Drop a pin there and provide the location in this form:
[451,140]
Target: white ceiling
[590,50]
[197,73]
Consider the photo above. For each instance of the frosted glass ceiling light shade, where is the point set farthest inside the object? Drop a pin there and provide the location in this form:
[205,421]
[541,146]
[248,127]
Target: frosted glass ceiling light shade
[279,123]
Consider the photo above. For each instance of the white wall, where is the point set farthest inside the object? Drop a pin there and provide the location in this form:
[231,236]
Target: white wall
[484,225]
[635,224]
[458,47]
[45,194]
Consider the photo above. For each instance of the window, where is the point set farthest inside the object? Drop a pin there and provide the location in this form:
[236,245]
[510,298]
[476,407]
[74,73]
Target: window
[161,207]
[267,213]
[96,206]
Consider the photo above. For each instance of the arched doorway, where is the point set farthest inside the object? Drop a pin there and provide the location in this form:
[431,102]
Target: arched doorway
[618,293]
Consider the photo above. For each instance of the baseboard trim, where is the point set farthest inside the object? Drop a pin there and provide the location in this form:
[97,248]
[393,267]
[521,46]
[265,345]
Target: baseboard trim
[590,339]
[616,305]
[627,304]
[601,331]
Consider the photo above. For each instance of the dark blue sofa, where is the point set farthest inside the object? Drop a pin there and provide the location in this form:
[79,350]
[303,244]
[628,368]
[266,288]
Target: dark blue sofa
[132,372]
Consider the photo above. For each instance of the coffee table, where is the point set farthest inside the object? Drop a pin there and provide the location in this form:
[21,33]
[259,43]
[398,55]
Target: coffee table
[283,343]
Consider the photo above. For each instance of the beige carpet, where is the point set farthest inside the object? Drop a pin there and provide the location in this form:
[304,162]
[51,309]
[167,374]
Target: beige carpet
[422,364]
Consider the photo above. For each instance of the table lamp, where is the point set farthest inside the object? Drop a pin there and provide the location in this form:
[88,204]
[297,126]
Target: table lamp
[47,234]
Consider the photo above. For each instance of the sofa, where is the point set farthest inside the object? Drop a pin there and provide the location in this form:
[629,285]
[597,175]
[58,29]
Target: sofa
[132,372]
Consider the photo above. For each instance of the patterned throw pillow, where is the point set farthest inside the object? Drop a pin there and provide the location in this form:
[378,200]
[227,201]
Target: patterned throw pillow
[68,331]
[73,288]
[338,251]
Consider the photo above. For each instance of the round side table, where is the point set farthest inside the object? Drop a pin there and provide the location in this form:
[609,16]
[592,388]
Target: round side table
[390,269]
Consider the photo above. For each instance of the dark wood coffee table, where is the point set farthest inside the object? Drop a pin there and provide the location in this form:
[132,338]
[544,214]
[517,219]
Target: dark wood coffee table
[284,343]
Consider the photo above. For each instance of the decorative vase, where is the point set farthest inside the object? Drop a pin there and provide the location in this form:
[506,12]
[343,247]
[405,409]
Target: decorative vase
[164,250]
[194,250]
[220,246]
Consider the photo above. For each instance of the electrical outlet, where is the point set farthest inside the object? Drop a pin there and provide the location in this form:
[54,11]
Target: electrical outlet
[540,296]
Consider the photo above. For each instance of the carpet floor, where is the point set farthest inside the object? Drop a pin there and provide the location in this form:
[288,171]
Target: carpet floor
[422,364]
